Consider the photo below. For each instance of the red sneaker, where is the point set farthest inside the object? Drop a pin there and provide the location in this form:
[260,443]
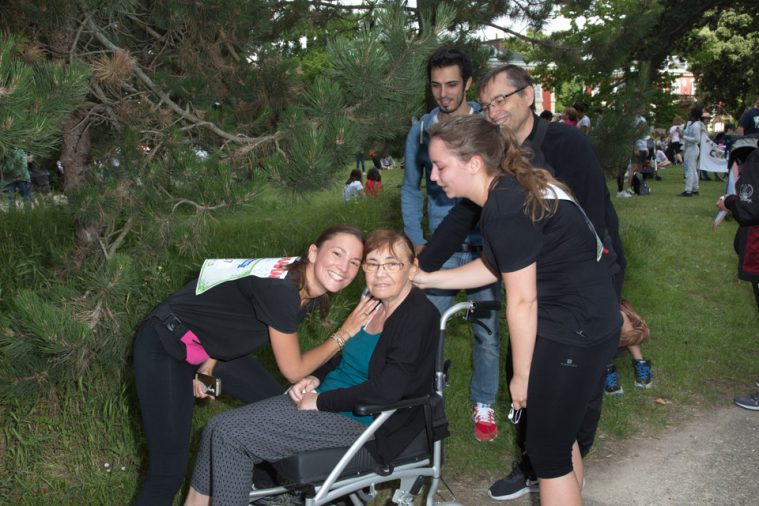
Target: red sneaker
[485,428]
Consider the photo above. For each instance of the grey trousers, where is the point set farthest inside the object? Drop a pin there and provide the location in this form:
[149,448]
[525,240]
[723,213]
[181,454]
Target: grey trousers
[690,165]
[269,430]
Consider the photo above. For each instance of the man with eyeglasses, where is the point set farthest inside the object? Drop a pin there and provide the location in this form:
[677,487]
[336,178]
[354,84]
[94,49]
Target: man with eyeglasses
[507,96]
[449,72]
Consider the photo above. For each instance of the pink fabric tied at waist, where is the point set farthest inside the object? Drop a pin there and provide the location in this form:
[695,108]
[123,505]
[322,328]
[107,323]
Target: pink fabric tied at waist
[196,354]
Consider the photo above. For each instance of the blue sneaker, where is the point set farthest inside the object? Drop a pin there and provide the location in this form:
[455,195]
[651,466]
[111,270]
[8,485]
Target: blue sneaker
[612,386]
[643,374]
[749,401]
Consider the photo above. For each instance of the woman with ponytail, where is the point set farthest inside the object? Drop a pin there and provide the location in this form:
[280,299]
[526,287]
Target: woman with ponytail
[561,310]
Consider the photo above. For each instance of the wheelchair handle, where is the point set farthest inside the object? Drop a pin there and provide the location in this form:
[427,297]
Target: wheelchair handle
[474,309]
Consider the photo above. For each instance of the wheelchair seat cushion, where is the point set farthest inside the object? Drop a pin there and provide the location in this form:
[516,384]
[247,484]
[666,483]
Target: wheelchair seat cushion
[314,466]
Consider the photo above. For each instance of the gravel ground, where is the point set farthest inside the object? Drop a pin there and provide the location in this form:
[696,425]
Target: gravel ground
[711,458]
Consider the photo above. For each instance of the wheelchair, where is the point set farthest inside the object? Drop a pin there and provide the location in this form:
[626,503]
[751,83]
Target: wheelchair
[329,474]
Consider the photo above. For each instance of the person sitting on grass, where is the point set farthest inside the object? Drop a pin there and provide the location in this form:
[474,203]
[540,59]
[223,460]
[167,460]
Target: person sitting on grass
[373,182]
[353,189]
[661,159]
[391,358]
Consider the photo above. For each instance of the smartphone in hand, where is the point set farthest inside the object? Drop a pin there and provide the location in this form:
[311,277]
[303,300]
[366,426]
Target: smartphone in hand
[211,385]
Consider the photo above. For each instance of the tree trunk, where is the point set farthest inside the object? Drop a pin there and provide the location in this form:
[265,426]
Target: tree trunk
[75,154]
[75,150]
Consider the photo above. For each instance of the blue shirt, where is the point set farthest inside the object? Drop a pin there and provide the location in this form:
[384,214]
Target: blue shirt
[418,167]
[353,369]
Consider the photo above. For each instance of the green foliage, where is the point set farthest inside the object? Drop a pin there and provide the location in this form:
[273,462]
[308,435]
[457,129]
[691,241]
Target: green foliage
[372,80]
[722,56]
[41,241]
[609,42]
[614,134]
[35,99]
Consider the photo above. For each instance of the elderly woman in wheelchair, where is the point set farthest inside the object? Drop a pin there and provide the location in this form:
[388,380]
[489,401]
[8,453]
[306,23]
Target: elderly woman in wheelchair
[390,359]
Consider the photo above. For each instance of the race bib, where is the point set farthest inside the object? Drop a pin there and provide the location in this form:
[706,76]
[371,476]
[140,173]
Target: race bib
[219,270]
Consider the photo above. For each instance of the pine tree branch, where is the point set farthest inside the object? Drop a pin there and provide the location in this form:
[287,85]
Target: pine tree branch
[531,40]
[109,251]
[247,142]
[157,36]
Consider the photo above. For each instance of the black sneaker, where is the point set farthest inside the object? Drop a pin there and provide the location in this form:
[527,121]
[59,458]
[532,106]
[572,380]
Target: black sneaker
[516,484]
[748,402]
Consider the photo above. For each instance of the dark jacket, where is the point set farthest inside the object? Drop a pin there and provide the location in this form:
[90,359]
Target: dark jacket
[402,366]
[745,209]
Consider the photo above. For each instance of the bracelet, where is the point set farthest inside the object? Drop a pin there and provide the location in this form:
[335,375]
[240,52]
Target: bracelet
[339,340]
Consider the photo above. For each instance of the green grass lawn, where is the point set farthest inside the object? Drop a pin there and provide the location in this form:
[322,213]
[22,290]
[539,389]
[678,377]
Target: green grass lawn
[681,277]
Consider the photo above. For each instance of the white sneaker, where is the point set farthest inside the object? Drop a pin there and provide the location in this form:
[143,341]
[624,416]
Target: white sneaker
[623,194]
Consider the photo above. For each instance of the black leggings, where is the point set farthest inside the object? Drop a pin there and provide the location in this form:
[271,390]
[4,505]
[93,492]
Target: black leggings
[164,387]
[564,380]
[586,433]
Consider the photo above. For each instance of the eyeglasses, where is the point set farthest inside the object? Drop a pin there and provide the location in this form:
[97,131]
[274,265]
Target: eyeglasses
[500,99]
[389,266]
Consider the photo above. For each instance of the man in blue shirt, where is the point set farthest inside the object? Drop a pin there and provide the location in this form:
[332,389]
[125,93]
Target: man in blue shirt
[449,73]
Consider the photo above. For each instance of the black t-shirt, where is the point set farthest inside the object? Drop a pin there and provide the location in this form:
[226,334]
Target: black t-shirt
[577,304]
[233,318]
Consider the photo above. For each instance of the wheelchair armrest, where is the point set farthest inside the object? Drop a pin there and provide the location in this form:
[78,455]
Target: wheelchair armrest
[370,409]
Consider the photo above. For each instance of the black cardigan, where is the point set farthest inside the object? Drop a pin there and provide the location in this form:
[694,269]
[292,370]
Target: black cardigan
[402,366]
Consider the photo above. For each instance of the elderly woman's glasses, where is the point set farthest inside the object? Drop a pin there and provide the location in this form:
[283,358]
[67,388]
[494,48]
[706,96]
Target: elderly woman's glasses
[500,99]
[388,266]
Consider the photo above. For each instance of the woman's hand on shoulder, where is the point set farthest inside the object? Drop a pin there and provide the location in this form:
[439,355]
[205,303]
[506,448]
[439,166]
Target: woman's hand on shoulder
[422,279]
[302,387]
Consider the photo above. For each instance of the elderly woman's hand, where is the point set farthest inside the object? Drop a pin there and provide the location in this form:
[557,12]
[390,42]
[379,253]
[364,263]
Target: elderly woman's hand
[308,401]
[302,387]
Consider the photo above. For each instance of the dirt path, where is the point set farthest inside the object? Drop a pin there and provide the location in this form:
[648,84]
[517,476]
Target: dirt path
[711,459]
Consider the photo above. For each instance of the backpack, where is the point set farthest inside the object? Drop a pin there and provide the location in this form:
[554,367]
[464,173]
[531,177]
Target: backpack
[639,185]
[746,210]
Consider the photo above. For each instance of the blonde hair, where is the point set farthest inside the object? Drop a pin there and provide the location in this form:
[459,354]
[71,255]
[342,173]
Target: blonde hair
[469,136]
